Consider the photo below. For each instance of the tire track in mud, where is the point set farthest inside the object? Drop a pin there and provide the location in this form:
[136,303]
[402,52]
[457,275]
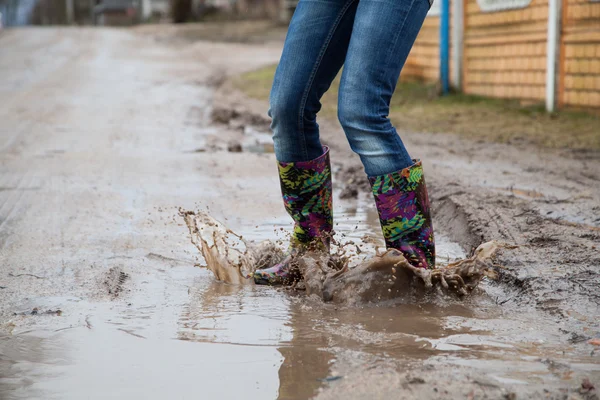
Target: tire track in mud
[11,200]
[114,281]
[549,265]
[25,121]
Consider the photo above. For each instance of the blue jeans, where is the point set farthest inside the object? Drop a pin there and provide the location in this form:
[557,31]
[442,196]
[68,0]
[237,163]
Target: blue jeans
[371,39]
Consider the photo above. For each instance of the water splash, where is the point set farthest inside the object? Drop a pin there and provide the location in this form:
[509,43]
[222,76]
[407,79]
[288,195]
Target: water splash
[230,258]
[346,275]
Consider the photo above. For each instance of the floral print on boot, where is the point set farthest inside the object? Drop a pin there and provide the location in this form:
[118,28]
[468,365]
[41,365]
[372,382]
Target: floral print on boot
[306,190]
[403,206]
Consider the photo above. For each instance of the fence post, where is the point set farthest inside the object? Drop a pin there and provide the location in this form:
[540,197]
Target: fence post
[457,42]
[551,53]
[70,11]
[444,41]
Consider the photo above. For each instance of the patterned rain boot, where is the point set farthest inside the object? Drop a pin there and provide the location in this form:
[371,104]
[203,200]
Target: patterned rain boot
[403,206]
[306,190]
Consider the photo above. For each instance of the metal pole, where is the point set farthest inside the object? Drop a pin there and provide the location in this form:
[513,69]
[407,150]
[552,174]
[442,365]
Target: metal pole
[552,53]
[444,41]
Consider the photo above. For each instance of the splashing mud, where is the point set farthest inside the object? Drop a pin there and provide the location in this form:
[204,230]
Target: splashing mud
[338,277]
[230,258]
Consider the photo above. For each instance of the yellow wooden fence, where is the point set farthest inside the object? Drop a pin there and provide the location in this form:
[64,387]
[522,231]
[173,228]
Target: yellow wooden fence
[504,53]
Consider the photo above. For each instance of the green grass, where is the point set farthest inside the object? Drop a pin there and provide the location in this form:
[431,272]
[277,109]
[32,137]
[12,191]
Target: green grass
[417,107]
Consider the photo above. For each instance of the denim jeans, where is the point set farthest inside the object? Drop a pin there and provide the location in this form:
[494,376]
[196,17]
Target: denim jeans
[371,39]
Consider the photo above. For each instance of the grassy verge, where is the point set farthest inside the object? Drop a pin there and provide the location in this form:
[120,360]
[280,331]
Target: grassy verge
[417,107]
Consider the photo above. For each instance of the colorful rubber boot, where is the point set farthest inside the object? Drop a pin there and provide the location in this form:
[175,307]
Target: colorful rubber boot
[403,206]
[306,190]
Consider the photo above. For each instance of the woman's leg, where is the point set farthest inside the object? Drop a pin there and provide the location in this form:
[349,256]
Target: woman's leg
[382,36]
[314,51]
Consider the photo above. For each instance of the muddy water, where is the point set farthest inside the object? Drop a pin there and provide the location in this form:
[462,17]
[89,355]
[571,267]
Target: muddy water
[73,212]
[213,340]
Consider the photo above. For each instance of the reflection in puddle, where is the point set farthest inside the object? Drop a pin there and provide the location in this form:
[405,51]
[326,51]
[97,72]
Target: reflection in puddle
[107,363]
[248,315]
[131,349]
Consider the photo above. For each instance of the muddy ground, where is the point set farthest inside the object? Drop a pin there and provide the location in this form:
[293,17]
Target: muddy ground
[105,133]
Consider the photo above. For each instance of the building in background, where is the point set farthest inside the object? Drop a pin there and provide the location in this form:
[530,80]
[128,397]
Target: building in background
[186,10]
[116,12]
[154,9]
[82,12]
[17,12]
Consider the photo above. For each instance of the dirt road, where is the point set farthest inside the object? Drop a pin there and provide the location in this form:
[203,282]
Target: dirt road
[104,134]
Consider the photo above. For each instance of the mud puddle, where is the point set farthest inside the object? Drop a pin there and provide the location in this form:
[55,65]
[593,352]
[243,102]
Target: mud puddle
[244,138]
[185,335]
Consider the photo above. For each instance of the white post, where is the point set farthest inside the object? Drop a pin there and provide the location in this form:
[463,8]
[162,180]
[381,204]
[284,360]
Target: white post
[552,53]
[70,11]
[457,42]
[146,9]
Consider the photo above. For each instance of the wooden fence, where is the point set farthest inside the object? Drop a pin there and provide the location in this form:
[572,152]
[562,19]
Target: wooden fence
[504,53]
